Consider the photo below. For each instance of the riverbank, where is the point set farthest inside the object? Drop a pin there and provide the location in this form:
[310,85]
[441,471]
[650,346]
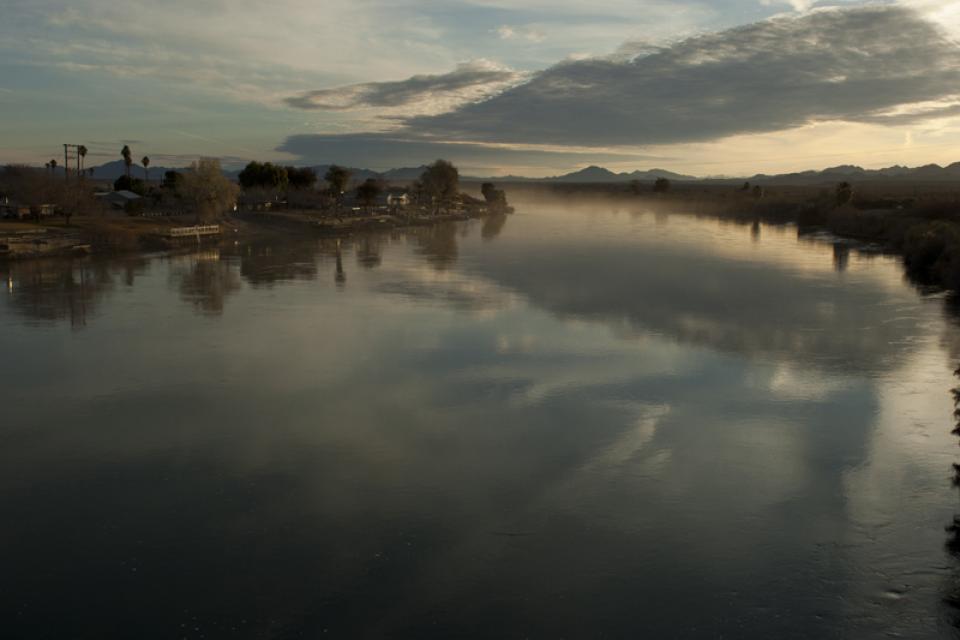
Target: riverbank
[119,235]
[919,222]
[926,236]
[924,232]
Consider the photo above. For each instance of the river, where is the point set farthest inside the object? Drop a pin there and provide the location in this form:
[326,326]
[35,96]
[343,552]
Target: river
[571,422]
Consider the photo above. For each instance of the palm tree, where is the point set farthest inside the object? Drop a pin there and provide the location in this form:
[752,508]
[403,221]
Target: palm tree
[82,153]
[127,158]
[146,163]
[53,165]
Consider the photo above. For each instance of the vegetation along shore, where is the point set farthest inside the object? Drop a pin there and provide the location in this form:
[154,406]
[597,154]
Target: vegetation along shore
[58,210]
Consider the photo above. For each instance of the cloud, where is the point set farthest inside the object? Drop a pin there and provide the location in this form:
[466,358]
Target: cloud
[506,32]
[469,82]
[389,150]
[851,64]
[798,5]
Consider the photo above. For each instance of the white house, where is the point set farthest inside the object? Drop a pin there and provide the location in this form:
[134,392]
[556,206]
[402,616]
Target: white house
[398,199]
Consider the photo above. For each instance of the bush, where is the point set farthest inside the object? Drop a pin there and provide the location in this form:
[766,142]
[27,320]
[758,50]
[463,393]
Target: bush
[126,183]
[931,253]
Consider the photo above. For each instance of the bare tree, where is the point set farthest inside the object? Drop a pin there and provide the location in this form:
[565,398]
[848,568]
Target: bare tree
[206,188]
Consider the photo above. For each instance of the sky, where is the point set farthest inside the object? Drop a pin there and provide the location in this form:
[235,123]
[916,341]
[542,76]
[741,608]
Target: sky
[536,88]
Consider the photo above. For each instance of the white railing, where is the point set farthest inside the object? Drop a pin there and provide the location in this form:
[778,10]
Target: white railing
[200,230]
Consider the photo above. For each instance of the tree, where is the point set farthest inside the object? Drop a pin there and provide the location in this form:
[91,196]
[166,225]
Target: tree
[368,191]
[146,171]
[303,178]
[745,187]
[127,156]
[337,179]
[844,193]
[416,188]
[207,189]
[33,187]
[264,175]
[757,192]
[53,165]
[172,180]
[126,183]
[441,181]
[81,153]
[662,185]
[496,198]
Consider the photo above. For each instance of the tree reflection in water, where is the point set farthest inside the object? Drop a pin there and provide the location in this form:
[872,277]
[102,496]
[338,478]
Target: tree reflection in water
[61,289]
[369,250]
[952,592]
[54,290]
[340,277]
[263,264]
[841,256]
[204,280]
[492,225]
[438,244]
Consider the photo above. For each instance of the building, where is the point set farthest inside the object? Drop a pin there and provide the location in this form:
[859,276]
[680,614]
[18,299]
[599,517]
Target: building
[120,199]
[399,199]
[11,209]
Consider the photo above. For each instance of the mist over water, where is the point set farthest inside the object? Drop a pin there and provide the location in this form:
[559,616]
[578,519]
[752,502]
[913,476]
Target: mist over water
[568,422]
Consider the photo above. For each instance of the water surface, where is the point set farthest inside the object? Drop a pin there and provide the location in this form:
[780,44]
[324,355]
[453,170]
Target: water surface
[569,422]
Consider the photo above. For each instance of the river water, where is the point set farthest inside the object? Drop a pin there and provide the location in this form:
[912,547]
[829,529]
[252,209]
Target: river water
[566,423]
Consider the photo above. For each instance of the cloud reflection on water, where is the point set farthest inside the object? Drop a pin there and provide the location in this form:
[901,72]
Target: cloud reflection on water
[468,433]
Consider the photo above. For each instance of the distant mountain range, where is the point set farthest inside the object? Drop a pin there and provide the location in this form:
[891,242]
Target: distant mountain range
[115,169]
[852,173]
[600,175]
[849,173]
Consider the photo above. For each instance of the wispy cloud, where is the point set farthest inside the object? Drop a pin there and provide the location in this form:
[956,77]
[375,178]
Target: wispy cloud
[507,32]
[797,5]
[470,82]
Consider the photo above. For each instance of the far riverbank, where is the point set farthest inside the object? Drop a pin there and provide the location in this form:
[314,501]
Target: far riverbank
[103,235]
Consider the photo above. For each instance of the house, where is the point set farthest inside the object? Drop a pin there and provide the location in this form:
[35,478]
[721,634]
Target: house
[120,199]
[11,209]
[398,199]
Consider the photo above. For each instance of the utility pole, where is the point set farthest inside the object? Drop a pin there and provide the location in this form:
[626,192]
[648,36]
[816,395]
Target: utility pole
[70,151]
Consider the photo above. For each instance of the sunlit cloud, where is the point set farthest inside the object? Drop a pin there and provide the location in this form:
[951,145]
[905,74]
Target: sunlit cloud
[839,64]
